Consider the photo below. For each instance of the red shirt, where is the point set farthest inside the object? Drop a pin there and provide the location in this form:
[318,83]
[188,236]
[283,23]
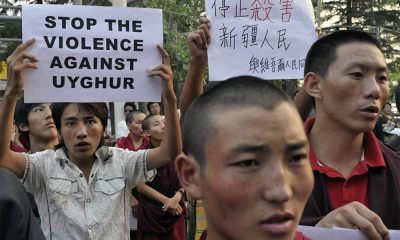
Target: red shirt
[342,191]
[126,143]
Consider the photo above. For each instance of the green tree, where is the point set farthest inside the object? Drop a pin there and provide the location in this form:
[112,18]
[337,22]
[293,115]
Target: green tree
[379,17]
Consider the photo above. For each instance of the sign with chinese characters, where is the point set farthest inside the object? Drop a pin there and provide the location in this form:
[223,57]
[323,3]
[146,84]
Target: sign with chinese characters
[92,54]
[264,38]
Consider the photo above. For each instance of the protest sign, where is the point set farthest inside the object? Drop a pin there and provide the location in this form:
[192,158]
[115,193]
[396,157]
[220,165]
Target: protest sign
[92,54]
[268,39]
[337,233]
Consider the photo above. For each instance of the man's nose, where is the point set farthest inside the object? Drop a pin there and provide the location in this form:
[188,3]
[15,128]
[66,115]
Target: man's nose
[277,185]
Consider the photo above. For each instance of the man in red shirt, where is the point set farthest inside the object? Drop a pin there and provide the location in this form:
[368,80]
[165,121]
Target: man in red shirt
[356,177]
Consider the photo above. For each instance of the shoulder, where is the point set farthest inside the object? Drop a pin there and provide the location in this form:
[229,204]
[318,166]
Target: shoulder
[116,153]
[43,155]
[395,143]
[392,160]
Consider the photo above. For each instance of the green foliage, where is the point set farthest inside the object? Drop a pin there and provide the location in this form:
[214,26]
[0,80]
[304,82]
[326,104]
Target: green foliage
[180,17]
[379,17]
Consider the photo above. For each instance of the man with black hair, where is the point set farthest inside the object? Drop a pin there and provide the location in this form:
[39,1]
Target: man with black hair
[357,178]
[35,125]
[83,187]
[254,182]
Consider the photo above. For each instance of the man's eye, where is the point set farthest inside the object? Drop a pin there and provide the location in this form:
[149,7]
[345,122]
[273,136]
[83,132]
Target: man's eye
[247,163]
[383,78]
[70,124]
[298,158]
[356,75]
[91,121]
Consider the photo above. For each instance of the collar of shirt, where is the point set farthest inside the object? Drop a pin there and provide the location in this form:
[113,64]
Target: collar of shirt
[372,155]
[104,153]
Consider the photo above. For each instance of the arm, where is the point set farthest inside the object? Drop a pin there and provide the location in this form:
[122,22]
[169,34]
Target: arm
[173,203]
[19,60]
[356,215]
[171,144]
[198,41]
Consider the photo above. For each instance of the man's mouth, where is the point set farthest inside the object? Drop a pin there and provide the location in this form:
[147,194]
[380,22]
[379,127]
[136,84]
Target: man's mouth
[371,109]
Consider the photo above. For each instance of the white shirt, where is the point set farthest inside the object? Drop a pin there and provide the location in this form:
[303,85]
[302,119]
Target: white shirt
[121,130]
[72,208]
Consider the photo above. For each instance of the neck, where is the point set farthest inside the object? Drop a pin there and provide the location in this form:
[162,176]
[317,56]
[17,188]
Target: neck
[40,145]
[336,147]
[155,142]
[85,165]
[136,140]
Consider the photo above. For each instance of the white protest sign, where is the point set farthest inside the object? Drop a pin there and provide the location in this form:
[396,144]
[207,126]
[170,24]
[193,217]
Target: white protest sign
[264,38]
[92,54]
[339,233]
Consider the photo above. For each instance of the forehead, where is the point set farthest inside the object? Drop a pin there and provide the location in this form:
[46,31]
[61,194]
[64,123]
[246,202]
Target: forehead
[128,107]
[255,126]
[157,118]
[73,111]
[138,116]
[41,105]
[360,54]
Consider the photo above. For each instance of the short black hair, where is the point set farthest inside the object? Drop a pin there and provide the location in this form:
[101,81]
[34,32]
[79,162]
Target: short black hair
[132,104]
[236,92]
[129,118]
[21,113]
[99,110]
[323,52]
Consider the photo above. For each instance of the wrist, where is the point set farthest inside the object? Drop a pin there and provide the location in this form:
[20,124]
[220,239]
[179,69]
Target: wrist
[198,61]
[180,191]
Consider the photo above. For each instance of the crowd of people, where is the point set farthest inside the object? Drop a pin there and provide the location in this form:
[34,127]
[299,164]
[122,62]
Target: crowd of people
[260,165]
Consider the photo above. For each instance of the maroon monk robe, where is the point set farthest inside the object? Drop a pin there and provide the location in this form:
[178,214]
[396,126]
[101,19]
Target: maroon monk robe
[153,223]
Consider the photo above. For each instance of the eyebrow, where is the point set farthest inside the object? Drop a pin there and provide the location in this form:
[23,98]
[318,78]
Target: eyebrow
[251,149]
[295,146]
[75,118]
[365,66]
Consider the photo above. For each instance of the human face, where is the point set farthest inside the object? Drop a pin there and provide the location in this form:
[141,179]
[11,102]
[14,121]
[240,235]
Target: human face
[155,109]
[41,126]
[256,182]
[135,127]
[156,127]
[81,133]
[387,109]
[127,110]
[354,89]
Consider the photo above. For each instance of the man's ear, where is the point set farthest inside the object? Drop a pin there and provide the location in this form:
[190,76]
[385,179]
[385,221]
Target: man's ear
[23,127]
[312,82]
[188,171]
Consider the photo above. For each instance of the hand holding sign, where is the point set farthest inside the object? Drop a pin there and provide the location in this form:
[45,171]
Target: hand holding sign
[18,62]
[165,72]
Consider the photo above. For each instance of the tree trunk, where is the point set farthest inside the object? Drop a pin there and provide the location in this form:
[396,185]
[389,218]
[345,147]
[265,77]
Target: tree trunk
[349,13]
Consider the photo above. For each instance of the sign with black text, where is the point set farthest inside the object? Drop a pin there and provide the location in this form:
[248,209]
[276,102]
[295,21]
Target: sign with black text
[264,38]
[92,54]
